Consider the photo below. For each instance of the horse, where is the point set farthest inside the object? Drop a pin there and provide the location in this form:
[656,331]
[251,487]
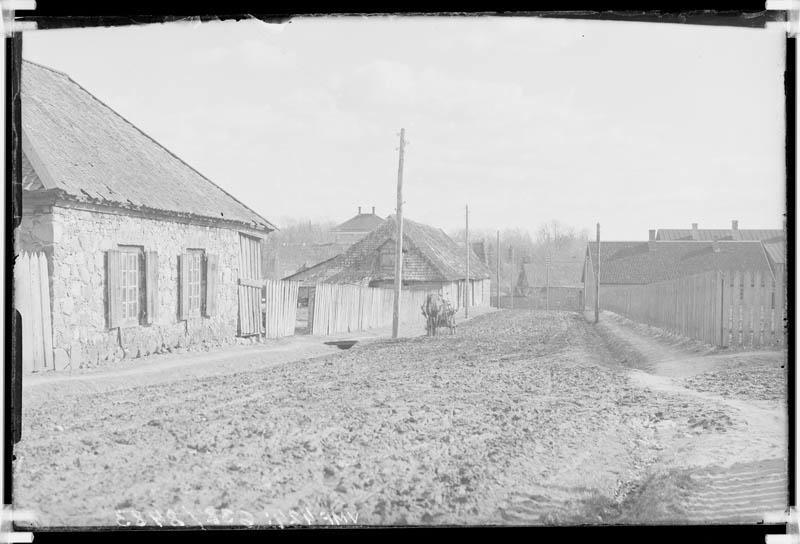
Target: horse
[432,310]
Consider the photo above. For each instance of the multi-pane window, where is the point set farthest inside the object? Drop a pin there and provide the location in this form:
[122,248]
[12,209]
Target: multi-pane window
[130,285]
[195,280]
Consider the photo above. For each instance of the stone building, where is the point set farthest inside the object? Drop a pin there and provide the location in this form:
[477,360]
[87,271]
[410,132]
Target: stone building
[144,253]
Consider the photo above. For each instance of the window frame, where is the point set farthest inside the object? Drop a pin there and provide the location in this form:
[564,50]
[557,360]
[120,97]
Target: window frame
[195,255]
[126,251]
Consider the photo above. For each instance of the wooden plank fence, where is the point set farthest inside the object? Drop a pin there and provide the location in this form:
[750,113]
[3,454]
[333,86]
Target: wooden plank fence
[735,308]
[280,307]
[32,300]
[339,308]
[267,308]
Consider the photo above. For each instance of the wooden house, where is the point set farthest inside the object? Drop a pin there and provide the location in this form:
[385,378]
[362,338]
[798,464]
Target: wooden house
[432,261]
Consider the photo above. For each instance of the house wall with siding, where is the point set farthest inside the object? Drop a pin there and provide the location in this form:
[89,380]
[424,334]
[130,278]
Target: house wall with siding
[80,330]
[451,291]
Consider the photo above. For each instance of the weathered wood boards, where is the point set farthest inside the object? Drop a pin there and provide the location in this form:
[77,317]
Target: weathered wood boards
[280,308]
[32,300]
[339,308]
[741,309]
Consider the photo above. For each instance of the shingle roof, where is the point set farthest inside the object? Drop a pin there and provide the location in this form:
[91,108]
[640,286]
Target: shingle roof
[648,262]
[718,234]
[319,272]
[444,259]
[89,153]
[362,222]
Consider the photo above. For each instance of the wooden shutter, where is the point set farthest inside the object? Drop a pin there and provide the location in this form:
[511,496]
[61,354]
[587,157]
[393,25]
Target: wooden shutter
[151,287]
[183,286]
[113,289]
[210,302]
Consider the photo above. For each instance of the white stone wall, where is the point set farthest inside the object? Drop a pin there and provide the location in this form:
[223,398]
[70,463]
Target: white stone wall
[80,333]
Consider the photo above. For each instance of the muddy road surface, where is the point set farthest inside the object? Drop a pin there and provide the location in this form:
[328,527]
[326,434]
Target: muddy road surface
[520,418]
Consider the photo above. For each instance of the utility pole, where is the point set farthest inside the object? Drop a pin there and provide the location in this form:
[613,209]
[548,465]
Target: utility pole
[547,285]
[597,280]
[511,251]
[466,283]
[497,258]
[398,252]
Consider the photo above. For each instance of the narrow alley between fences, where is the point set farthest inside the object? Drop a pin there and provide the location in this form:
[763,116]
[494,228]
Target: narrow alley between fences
[521,417]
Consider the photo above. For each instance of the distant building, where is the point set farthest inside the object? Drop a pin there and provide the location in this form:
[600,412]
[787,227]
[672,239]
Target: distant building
[558,285]
[706,235]
[357,227]
[652,261]
[431,261]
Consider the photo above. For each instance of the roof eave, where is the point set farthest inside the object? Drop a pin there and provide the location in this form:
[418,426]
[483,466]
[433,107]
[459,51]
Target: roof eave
[65,199]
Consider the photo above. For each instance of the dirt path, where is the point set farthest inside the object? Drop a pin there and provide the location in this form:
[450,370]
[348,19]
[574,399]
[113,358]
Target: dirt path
[738,471]
[522,417]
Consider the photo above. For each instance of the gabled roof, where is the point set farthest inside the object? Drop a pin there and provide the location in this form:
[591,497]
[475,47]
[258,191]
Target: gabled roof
[708,235]
[478,248]
[319,272]
[87,152]
[362,222]
[649,262]
[444,260]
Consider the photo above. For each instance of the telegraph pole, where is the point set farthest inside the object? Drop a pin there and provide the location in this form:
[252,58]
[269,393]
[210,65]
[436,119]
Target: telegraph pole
[466,283]
[497,258]
[597,280]
[398,252]
[511,251]
[547,285]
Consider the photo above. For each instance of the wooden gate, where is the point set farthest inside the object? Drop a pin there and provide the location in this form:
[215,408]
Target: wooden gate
[280,307]
[32,300]
[250,286]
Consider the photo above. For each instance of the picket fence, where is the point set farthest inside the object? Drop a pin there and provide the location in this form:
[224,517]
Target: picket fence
[340,308]
[32,300]
[732,308]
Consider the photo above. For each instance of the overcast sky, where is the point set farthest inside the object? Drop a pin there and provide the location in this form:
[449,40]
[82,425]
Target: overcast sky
[634,125]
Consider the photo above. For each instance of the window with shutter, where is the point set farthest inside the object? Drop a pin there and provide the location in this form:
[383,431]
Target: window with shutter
[126,274]
[211,275]
[191,283]
[151,287]
[113,288]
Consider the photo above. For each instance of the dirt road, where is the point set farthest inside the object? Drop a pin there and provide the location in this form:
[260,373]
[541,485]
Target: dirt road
[522,417]
[738,471]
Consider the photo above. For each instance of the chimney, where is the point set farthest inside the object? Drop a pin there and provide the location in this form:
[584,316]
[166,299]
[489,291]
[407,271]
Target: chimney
[735,230]
[652,235]
[373,210]
[359,210]
[695,234]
